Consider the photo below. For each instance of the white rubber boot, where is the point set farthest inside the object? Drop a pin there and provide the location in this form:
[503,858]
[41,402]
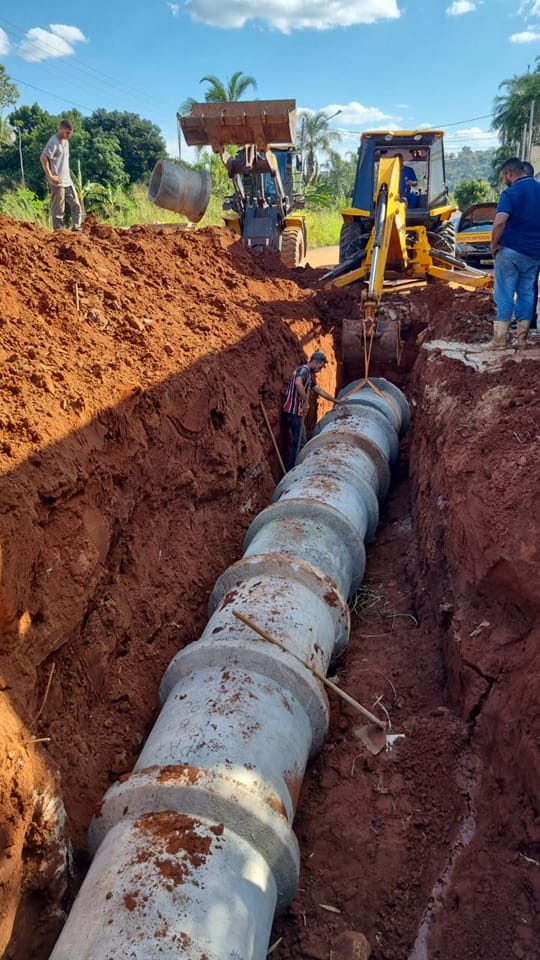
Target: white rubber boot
[500,335]
[522,334]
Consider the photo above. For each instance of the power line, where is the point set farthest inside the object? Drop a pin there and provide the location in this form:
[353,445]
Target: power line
[72,103]
[456,123]
[433,126]
[88,71]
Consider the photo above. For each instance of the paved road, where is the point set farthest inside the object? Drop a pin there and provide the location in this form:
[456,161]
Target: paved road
[322,256]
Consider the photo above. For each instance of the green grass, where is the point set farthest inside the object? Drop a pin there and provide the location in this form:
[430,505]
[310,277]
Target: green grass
[126,208]
[23,205]
[323,227]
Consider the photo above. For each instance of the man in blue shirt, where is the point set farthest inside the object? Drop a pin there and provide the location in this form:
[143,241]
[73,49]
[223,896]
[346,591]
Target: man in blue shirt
[529,172]
[515,246]
[407,180]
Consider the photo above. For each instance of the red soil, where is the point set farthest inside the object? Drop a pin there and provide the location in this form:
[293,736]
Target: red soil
[134,455]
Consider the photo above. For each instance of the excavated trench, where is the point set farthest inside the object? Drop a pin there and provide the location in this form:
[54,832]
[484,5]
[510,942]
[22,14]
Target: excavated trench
[134,457]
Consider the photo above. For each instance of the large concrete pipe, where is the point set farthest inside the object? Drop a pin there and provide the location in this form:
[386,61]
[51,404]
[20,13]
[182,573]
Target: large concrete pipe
[181,189]
[195,849]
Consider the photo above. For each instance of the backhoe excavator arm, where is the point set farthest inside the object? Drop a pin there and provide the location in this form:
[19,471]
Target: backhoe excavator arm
[386,247]
[386,244]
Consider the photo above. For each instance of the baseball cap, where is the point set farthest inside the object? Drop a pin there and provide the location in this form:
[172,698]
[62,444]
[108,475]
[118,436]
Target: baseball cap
[319,356]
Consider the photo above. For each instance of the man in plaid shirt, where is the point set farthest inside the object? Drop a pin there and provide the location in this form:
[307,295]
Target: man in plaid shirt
[296,403]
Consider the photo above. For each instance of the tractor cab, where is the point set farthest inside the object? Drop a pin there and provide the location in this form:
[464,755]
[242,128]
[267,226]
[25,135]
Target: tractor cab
[398,229]
[420,153]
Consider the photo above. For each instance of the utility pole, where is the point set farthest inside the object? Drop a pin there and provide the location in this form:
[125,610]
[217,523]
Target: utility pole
[23,183]
[302,131]
[81,191]
[523,144]
[530,136]
[14,133]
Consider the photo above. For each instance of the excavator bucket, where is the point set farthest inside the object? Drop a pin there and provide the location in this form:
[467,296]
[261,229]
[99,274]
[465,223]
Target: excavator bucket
[258,122]
[385,347]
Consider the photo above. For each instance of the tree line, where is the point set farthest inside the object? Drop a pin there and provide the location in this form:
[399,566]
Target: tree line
[115,147]
[112,150]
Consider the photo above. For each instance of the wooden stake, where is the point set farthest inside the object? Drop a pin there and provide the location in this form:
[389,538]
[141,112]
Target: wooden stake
[276,448]
[77,296]
[46,694]
[320,676]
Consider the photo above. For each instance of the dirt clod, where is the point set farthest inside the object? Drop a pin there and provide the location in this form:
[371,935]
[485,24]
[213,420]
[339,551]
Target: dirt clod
[350,946]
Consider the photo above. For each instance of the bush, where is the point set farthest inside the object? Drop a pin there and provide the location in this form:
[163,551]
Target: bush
[23,204]
[473,191]
[323,227]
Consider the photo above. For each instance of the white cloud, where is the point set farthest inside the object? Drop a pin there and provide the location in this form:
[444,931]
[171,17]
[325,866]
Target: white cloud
[353,114]
[69,34]
[353,119]
[460,6]
[473,137]
[58,41]
[288,15]
[4,43]
[476,133]
[527,36]
[174,8]
[530,8]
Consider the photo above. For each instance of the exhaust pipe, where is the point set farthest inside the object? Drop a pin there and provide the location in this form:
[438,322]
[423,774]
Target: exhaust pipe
[194,850]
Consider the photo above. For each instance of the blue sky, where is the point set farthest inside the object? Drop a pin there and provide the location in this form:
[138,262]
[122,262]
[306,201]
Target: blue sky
[383,63]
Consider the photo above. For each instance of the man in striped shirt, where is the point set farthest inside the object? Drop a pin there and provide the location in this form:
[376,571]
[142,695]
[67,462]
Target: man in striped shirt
[296,403]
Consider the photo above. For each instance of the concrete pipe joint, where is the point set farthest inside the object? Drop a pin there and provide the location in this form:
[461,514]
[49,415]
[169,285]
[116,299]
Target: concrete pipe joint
[194,850]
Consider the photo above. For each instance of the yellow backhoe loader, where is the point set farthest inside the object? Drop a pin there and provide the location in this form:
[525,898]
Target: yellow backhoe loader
[399,228]
[263,208]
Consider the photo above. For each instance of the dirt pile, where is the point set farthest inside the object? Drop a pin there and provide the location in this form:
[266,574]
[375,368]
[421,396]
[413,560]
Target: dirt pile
[134,455]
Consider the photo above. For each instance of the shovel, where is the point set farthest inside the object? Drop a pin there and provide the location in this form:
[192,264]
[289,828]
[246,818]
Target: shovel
[373,735]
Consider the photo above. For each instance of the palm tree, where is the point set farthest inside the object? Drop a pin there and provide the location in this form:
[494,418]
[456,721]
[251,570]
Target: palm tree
[219,92]
[512,110]
[237,85]
[315,138]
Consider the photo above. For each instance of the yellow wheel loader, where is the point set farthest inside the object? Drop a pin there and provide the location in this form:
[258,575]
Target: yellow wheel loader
[263,207]
[397,230]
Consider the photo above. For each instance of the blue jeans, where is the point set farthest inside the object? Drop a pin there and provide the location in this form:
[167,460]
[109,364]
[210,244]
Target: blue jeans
[294,425]
[515,274]
[534,319]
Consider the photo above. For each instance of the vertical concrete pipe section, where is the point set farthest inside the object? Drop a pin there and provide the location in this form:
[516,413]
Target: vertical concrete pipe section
[180,189]
[194,850]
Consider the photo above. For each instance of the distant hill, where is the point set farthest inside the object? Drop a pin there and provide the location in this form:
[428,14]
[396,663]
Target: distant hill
[468,165]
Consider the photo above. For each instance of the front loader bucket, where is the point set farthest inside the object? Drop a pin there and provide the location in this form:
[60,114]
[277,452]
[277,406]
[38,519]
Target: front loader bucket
[259,122]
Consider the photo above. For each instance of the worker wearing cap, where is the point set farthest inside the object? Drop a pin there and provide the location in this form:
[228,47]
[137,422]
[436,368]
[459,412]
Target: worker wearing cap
[296,403]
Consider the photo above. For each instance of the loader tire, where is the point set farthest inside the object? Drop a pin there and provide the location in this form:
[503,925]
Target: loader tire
[292,247]
[443,237]
[352,241]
